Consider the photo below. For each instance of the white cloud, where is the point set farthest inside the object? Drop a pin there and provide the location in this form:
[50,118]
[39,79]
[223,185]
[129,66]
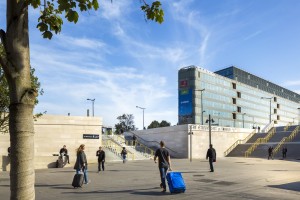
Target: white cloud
[292,83]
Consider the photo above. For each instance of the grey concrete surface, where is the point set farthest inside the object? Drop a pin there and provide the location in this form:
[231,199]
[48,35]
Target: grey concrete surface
[234,178]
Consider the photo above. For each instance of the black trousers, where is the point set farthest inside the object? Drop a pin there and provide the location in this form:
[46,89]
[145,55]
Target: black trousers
[100,164]
[211,165]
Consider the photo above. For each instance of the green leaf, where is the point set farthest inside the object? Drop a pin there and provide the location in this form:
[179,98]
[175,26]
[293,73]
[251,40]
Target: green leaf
[47,34]
[42,27]
[72,16]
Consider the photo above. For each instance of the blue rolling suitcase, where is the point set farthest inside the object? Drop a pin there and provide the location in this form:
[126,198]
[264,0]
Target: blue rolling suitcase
[175,182]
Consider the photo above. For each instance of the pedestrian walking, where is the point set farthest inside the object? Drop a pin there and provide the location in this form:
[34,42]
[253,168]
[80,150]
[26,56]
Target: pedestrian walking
[134,140]
[101,159]
[81,164]
[211,155]
[124,154]
[270,153]
[164,163]
[284,151]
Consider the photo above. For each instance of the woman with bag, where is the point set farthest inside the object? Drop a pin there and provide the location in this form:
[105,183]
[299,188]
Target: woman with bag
[81,163]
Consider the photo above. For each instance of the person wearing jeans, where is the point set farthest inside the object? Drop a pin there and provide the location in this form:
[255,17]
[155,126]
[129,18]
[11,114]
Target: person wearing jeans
[164,163]
[81,163]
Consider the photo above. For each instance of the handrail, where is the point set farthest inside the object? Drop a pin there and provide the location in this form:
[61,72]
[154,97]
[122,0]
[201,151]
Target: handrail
[287,126]
[259,141]
[286,139]
[116,148]
[239,142]
[120,140]
[268,127]
[157,143]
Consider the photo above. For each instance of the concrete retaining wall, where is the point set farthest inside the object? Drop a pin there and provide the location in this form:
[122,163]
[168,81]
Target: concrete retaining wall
[51,133]
[177,138]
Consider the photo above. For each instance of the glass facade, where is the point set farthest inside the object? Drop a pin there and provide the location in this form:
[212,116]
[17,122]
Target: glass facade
[233,103]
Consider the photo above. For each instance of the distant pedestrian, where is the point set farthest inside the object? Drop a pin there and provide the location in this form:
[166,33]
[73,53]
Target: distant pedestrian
[270,153]
[133,140]
[64,152]
[211,155]
[258,129]
[101,159]
[124,154]
[81,164]
[284,151]
[164,163]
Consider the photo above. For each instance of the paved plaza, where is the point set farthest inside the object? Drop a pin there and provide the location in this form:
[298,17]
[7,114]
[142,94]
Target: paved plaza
[234,178]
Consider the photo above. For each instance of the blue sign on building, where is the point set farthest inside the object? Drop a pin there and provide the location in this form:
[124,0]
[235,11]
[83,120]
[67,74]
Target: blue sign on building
[185,102]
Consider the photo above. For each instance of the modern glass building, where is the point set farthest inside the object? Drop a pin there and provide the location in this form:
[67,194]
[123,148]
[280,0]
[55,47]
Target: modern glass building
[233,98]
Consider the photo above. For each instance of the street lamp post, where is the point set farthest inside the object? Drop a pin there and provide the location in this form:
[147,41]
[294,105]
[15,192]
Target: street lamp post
[270,98]
[244,120]
[143,114]
[93,101]
[209,121]
[201,104]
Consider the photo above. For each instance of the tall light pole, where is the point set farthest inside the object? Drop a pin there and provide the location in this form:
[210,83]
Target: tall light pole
[143,114]
[244,120]
[209,121]
[270,98]
[93,101]
[201,104]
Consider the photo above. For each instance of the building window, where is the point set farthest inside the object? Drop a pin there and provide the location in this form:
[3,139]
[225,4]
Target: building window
[275,99]
[239,109]
[239,94]
[278,105]
[275,122]
[234,100]
[278,117]
[275,110]
[233,115]
[234,85]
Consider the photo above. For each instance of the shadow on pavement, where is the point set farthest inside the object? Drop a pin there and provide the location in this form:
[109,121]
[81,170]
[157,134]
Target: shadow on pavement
[145,192]
[295,186]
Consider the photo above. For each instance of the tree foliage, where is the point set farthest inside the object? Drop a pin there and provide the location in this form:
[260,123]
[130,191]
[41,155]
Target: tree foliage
[50,20]
[126,123]
[156,124]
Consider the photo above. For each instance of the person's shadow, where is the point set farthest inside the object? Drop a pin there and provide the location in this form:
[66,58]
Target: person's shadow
[5,163]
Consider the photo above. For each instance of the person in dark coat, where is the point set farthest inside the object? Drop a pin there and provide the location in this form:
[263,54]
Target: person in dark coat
[134,140]
[284,151]
[270,153]
[211,155]
[164,163]
[124,154]
[101,159]
[81,163]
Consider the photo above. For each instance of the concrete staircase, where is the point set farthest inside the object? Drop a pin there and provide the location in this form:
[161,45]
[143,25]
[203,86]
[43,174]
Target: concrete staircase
[115,143]
[287,136]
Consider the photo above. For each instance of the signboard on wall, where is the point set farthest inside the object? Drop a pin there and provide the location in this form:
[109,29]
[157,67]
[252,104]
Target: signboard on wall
[90,136]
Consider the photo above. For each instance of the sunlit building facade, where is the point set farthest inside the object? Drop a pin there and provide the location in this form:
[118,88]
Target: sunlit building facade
[233,98]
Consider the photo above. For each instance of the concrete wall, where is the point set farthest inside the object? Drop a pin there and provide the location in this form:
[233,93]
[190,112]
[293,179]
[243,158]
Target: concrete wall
[177,138]
[52,132]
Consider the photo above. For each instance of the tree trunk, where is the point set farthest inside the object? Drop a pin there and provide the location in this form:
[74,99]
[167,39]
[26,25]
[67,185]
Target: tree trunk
[22,97]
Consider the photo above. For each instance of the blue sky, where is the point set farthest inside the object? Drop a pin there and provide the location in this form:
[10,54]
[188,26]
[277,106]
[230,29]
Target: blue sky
[116,57]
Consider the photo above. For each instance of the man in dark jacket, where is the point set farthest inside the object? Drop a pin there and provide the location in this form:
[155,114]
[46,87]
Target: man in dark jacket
[64,152]
[211,155]
[101,159]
